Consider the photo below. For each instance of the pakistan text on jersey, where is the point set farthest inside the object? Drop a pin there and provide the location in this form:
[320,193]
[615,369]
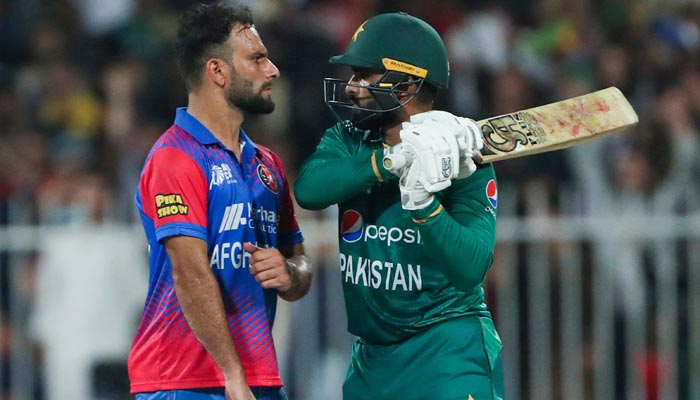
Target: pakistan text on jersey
[379,274]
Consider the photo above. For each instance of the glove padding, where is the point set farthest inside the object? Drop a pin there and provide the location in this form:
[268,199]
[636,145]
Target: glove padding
[435,151]
[435,156]
[390,150]
[466,132]
[413,193]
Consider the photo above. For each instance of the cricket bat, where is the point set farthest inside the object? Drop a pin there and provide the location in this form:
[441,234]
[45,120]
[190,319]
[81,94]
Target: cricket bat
[549,127]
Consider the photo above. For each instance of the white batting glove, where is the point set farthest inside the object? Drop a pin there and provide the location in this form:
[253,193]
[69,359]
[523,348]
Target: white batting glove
[396,159]
[391,150]
[435,151]
[413,193]
[434,156]
[466,132]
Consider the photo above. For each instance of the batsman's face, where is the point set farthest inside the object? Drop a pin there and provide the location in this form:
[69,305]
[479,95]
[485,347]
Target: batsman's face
[357,87]
[252,72]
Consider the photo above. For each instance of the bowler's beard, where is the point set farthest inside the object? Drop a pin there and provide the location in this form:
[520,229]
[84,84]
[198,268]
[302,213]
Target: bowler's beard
[242,95]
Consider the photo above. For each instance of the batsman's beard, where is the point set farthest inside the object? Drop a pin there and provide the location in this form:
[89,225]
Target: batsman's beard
[373,120]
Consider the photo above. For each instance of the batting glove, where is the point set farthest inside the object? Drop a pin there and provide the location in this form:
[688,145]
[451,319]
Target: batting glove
[392,150]
[413,193]
[434,156]
[435,151]
[465,130]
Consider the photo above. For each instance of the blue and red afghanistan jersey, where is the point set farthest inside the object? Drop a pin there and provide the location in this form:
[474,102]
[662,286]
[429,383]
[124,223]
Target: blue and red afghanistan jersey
[192,185]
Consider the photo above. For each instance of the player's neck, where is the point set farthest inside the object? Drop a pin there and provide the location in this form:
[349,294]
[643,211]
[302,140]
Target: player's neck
[391,133]
[222,121]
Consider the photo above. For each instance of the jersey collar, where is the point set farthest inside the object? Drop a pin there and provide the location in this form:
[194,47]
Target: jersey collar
[201,133]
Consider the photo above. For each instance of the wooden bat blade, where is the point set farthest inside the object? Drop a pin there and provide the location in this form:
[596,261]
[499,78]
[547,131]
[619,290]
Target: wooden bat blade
[556,125]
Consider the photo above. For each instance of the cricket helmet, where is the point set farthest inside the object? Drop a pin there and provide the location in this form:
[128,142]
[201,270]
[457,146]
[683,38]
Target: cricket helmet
[398,42]
[406,48]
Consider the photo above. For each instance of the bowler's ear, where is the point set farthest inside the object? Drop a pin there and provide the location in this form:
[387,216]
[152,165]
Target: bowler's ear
[217,70]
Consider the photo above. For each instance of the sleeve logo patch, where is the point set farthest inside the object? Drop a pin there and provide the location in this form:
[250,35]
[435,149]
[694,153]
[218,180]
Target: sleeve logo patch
[170,204]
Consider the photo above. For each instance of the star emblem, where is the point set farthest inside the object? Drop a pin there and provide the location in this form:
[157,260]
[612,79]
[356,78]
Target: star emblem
[357,32]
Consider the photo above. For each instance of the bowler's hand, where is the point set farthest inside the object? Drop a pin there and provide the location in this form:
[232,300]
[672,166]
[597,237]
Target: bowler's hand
[269,267]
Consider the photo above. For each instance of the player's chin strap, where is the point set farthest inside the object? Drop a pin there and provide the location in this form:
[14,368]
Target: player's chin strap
[385,93]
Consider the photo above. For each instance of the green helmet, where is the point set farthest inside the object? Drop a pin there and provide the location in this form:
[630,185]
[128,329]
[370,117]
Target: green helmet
[398,42]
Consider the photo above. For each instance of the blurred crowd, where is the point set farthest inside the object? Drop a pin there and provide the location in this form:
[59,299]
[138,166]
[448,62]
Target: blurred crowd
[86,86]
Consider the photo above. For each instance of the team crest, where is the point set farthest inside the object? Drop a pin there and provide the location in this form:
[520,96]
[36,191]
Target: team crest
[267,178]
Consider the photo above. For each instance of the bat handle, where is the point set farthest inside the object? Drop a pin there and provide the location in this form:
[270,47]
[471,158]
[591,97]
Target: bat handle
[395,162]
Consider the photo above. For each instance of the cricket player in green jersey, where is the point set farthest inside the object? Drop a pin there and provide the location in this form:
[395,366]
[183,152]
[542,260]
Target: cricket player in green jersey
[415,243]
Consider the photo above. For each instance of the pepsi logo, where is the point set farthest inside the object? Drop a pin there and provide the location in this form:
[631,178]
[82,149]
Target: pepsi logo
[492,193]
[267,178]
[351,226]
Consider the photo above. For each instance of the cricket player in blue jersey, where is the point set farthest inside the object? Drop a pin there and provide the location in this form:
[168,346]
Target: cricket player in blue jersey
[219,219]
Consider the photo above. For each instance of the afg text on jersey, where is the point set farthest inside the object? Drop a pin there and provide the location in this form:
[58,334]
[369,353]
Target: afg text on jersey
[229,254]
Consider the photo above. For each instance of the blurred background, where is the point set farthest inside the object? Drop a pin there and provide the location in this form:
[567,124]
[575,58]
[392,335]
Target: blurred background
[595,287]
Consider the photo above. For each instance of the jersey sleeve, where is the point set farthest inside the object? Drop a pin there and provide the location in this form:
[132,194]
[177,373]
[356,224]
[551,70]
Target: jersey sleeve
[288,231]
[460,229]
[174,194]
[338,171]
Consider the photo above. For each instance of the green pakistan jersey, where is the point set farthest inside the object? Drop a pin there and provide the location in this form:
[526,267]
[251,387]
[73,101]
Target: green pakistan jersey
[402,271]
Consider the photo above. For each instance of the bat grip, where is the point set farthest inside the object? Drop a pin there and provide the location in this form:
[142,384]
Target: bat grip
[394,162]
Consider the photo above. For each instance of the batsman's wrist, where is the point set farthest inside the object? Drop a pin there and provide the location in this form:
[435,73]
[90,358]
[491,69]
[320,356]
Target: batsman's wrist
[380,172]
[428,212]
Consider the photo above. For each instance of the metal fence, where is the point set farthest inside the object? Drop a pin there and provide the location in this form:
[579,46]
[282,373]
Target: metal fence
[586,307]
[599,308]
[604,308]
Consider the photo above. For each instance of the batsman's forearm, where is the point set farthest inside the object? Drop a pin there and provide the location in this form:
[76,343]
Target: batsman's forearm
[324,181]
[462,253]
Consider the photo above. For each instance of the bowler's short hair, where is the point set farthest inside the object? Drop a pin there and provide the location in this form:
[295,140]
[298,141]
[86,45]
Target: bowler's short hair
[202,33]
